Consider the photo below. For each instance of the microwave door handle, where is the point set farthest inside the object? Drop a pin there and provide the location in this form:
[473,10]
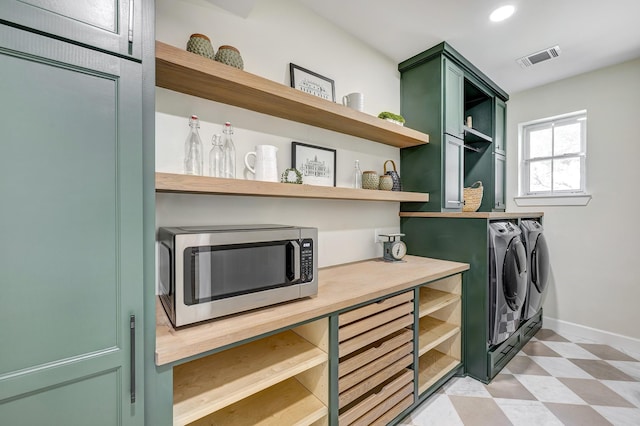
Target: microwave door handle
[296,260]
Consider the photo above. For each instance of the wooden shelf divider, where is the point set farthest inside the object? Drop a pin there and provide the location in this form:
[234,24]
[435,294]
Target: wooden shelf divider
[170,182]
[286,403]
[432,332]
[432,366]
[432,300]
[186,72]
[209,384]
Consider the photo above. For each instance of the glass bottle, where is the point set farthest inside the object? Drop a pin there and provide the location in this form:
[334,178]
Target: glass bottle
[229,152]
[216,157]
[193,149]
[357,175]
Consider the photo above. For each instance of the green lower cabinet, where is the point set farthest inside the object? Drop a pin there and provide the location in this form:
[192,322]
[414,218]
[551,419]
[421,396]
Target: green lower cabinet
[71,224]
[467,240]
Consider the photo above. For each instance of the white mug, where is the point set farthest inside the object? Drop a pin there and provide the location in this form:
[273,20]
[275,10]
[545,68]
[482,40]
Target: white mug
[266,163]
[354,100]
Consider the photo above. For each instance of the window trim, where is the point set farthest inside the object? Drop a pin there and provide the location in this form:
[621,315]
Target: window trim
[553,200]
[556,196]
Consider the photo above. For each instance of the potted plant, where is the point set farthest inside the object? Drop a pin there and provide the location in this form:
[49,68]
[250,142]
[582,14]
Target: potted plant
[394,118]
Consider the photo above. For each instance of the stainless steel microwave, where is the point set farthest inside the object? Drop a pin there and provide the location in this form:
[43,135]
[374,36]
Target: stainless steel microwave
[213,271]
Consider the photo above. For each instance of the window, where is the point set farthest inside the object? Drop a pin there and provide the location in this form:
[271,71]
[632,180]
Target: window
[553,156]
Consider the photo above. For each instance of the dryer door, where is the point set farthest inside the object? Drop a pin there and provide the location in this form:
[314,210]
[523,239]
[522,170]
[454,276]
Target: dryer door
[540,264]
[514,274]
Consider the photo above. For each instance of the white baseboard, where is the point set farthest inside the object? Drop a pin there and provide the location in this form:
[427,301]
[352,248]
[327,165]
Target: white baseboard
[567,329]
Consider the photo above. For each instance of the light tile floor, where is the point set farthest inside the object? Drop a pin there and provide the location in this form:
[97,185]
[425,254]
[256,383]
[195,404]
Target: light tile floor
[551,381]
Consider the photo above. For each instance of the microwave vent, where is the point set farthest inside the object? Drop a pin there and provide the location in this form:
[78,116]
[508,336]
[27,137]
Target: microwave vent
[537,57]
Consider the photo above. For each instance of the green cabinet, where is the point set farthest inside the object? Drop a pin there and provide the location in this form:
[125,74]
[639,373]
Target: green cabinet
[499,138]
[453,99]
[499,145]
[112,26]
[446,96]
[467,240]
[453,172]
[71,224]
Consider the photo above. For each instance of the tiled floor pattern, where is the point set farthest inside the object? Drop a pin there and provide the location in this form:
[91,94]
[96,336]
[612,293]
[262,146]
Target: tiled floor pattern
[552,381]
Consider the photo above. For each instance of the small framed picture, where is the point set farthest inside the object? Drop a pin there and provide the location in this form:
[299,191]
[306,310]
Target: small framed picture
[312,83]
[316,164]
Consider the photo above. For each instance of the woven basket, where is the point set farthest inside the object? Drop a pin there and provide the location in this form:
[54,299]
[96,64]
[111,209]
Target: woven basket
[472,197]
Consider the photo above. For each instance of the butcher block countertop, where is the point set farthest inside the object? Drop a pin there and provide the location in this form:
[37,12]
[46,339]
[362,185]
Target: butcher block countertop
[474,215]
[339,287]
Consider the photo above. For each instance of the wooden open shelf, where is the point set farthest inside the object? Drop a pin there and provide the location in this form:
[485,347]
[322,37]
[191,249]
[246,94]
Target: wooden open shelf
[432,332]
[186,72]
[206,385]
[432,300]
[432,366]
[169,182]
[286,403]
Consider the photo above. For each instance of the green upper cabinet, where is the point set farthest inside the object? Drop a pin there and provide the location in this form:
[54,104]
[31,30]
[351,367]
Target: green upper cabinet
[444,95]
[453,173]
[500,182]
[499,144]
[499,141]
[453,99]
[111,25]
[71,224]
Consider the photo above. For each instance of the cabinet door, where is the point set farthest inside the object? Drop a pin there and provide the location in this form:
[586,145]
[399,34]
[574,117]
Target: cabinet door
[499,138]
[111,25]
[453,99]
[71,226]
[453,174]
[499,184]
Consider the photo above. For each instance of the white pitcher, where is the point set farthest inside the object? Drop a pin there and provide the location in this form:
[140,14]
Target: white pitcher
[354,100]
[265,163]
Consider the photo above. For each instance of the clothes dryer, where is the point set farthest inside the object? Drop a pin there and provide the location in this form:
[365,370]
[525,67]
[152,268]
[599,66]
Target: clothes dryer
[508,280]
[538,266]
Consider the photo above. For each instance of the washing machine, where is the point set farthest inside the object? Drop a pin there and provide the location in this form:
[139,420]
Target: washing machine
[508,280]
[538,266]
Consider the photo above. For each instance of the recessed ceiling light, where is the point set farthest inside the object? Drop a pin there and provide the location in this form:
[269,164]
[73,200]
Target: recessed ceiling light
[502,13]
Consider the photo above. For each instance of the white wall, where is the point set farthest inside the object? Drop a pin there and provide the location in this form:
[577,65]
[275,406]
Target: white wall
[275,33]
[595,252]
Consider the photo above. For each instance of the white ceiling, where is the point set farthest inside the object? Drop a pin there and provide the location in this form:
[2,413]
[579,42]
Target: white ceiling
[591,33]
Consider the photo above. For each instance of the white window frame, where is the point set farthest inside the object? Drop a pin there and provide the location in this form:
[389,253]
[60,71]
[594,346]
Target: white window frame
[552,197]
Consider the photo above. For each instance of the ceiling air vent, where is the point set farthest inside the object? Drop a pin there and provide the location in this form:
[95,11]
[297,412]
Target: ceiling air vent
[543,55]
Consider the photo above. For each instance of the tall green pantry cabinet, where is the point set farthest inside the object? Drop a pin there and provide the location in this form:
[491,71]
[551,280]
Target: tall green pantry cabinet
[71,185]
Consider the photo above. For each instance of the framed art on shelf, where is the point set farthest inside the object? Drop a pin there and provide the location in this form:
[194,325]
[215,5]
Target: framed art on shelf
[312,83]
[316,164]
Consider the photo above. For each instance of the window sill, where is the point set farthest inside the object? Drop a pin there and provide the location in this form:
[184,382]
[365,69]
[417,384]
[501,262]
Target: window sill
[553,200]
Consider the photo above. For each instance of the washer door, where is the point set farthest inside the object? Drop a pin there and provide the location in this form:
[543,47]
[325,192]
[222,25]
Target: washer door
[514,274]
[540,264]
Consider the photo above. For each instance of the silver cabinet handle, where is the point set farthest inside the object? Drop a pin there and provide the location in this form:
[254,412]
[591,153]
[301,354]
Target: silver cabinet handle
[130,21]
[455,202]
[132,337]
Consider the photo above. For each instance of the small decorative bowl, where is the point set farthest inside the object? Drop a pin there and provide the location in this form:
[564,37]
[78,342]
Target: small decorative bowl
[386,183]
[200,45]
[230,55]
[370,180]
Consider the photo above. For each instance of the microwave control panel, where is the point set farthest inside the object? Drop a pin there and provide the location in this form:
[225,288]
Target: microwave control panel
[306,260]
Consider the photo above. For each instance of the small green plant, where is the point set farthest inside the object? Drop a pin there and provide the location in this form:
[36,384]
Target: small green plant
[391,116]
